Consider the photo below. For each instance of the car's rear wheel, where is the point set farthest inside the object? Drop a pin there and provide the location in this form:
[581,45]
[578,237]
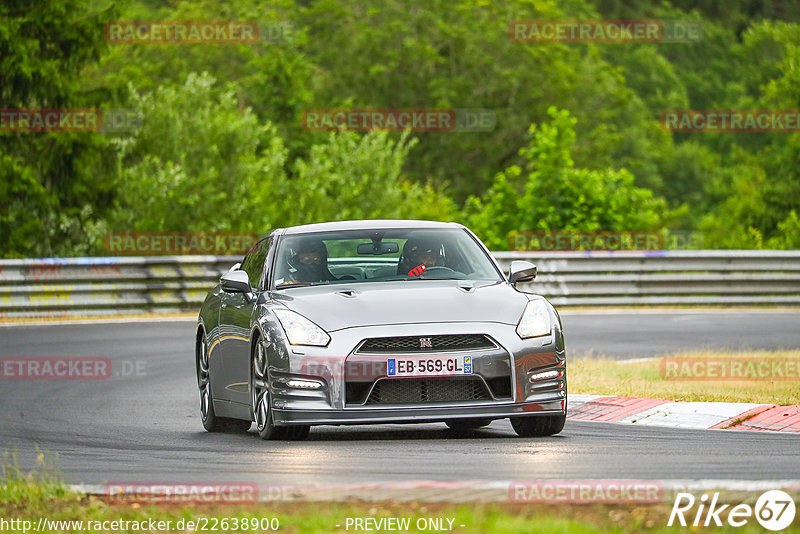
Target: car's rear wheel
[534,426]
[462,425]
[212,422]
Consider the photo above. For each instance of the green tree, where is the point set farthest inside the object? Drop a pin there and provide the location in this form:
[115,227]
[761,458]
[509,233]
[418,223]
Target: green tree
[360,177]
[199,163]
[273,76]
[555,195]
[52,185]
[440,54]
[758,205]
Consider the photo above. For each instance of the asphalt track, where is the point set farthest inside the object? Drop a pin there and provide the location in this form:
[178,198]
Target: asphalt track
[143,424]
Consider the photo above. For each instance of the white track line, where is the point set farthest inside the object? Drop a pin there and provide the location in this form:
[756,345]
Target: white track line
[701,415]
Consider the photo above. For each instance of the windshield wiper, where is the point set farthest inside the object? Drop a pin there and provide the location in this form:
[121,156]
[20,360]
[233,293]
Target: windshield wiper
[302,284]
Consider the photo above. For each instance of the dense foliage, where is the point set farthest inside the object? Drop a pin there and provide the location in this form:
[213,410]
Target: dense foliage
[576,145]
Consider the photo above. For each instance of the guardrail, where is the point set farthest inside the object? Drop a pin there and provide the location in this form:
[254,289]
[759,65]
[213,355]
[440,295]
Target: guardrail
[674,277]
[164,284]
[53,287]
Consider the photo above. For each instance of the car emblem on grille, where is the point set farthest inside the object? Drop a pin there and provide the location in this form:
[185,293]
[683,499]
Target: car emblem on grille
[425,343]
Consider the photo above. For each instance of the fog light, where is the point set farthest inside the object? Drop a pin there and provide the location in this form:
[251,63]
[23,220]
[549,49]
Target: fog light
[547,375]
[298,383]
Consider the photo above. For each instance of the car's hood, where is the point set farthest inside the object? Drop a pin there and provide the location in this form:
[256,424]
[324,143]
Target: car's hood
[420,301]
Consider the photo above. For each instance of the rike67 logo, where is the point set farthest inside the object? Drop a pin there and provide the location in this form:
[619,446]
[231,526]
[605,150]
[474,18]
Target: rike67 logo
[774,510]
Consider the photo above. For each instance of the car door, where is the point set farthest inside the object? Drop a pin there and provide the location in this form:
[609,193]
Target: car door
[236,311]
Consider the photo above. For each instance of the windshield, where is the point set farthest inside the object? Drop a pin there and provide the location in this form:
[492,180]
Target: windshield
[380,256]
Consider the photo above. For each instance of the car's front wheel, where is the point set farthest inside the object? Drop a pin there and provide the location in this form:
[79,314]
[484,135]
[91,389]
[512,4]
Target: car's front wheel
[260,394]
[212,422]
[262,405]
[534,426]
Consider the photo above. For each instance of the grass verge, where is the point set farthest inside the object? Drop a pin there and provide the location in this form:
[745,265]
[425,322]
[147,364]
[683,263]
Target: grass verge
[605,376]
[41,495]
[28,500]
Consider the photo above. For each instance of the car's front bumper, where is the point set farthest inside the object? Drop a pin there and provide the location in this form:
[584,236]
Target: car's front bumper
[417,414]
[519,359]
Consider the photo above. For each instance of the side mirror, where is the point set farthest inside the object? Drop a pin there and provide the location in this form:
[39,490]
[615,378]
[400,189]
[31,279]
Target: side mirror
[235,282]
[521,271]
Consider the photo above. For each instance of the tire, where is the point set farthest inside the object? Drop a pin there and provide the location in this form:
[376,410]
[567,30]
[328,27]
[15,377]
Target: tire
[211,422]
[533,426]
[261,400]
[463,425]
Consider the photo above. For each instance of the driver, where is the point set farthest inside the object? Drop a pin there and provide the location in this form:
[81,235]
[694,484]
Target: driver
[419,254]
[311,262]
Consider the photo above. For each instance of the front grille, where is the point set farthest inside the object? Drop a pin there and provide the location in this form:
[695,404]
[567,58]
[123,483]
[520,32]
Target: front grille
[500,386]
[414,391]
[419,344]
[354,392]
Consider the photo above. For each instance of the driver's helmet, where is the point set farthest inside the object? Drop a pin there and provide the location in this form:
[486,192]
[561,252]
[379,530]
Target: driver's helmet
[420,251]
[310,261]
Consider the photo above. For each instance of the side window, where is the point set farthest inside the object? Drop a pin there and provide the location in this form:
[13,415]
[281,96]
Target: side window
[254,262]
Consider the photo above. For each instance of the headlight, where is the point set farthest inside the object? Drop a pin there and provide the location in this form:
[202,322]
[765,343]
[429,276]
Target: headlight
[300,330]
[535,320]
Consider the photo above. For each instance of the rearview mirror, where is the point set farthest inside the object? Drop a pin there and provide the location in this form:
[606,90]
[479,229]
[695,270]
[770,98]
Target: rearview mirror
[235,282]
[521,271]
[378,249]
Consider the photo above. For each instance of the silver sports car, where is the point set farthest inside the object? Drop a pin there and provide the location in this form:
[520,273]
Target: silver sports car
[377,321]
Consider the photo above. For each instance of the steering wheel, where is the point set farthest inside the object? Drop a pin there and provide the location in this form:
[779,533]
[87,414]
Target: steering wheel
[437,268]
[347,277]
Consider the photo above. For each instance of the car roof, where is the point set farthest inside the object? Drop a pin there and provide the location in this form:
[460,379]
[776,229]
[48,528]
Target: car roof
[367,224]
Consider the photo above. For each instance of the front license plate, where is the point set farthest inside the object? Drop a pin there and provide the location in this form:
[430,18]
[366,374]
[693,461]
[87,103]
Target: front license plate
[427,366]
